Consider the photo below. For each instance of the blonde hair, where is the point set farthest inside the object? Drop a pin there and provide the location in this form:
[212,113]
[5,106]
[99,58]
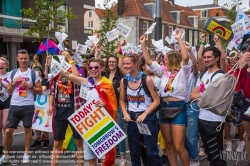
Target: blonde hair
[5,60]
[174,59]
[98,60]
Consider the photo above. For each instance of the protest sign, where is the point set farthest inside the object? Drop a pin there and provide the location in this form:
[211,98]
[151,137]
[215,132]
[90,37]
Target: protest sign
[65,65]
[151,28]
[215,27]
[158,44]
[97,128]
[55,67]
[94,39]
[124,30]
[81,48]
[239,27]
[77,58]
[41,121]
[112,35]
[127,48]
[61,36]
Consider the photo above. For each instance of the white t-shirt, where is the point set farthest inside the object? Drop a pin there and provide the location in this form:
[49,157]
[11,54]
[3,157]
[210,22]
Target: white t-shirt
[29,99]
[157,82]
[206,114]
[5,81]
[179,84]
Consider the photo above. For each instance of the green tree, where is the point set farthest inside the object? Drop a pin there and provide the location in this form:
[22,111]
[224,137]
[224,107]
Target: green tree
[44,12]
[231,12]
[108,22]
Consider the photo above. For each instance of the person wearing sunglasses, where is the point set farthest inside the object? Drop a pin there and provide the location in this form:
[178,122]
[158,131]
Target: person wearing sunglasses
[100,84]
[24,84]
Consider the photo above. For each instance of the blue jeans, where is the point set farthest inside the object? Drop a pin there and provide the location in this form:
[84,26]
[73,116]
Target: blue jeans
[134,140]
[121,145]
[192,131]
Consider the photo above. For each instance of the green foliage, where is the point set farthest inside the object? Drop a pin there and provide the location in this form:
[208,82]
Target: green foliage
[44,12]
[108,23]
[231,12]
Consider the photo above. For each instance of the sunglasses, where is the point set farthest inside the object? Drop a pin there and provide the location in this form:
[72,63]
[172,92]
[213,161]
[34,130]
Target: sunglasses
[22,51]
[94,67]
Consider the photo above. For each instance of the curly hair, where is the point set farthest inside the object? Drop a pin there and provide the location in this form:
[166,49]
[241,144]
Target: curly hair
[174,59]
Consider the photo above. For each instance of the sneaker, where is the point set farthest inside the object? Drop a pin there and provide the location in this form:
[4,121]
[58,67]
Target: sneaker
[26,159]
[241,145]
[228,146]
[123,163]
[46,144]
[195,163]
[236,137]
[201,152]
[36,144]
[4,159]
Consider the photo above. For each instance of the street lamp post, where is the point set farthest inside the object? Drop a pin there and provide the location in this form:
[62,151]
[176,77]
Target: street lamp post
[158,19]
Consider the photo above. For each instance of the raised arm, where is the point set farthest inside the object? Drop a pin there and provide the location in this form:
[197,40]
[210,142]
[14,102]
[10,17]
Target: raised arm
[71,62]
[201,63]
[120,64]
[145,53]
[223,64]
[192,57]
[184,53]
[73,78]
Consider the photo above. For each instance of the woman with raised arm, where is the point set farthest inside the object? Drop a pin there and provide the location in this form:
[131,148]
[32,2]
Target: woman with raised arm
[174,79]
[104,94]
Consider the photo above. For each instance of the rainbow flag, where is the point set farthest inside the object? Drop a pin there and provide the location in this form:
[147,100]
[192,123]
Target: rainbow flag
[107,94]
[69,142]
[42,48]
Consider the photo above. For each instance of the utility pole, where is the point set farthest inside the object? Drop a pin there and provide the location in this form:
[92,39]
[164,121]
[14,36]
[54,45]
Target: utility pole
[158,19]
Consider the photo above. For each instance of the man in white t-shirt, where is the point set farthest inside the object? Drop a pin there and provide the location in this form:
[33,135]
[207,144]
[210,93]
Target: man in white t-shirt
[208,121]
[24,84]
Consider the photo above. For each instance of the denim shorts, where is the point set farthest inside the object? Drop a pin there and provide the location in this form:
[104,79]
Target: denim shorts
[180,119]
[88,153]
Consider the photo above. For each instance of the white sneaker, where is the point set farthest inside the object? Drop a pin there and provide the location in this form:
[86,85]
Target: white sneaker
[228,146]
[195,163]
[241,145]
[201,152]
[26,159]
[4,159]
[123,162]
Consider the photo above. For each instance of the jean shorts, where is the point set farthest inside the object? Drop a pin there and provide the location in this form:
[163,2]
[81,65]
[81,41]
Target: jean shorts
[88,153]
[180,119]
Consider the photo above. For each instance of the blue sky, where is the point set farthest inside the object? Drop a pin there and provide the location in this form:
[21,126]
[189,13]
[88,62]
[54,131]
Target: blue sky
[194,3]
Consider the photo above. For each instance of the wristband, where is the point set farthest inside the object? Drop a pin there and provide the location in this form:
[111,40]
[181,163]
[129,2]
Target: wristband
[201,42]
[71,62]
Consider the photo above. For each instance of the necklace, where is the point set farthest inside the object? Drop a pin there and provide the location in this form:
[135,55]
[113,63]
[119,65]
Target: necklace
[134,79]
[166,73]
[170,88]
[63,88]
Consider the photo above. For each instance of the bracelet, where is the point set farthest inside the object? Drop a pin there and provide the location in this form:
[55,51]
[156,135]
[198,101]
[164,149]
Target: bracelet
[201,42]
[71,62]
[120,55]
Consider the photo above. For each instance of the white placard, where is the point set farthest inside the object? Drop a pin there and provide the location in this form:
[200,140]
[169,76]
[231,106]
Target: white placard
[65,65]
[158,44]
[84,91]
[78,59]
[61,36]
[151,28]
[81,48]
[143,129]
[124,30]
[55,67]
[112,35]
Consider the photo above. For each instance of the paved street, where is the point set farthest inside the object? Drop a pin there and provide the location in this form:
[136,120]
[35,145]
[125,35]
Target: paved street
[41,157]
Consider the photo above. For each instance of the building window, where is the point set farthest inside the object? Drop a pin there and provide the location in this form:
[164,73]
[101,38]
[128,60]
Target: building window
[170,30]
[204,13]
[90,14]
[145,28]
[90,24]
[190,39]
[195,38]
[64,24]
[88,31]
[207,38]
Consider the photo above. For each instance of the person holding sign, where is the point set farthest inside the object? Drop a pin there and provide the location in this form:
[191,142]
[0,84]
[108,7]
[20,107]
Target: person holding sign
[139,111]
[64,101]
[24,84]
[174,81]
[100,89]
[4,98]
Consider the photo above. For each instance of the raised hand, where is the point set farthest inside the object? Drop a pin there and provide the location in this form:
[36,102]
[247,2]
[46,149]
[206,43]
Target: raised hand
[143,40]
[203,37]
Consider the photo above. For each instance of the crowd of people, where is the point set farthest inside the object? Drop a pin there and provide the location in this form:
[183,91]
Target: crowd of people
[160,91]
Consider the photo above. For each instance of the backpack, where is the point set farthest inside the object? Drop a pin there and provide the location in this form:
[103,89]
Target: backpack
[211,79]
[143,85]
[33,75]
